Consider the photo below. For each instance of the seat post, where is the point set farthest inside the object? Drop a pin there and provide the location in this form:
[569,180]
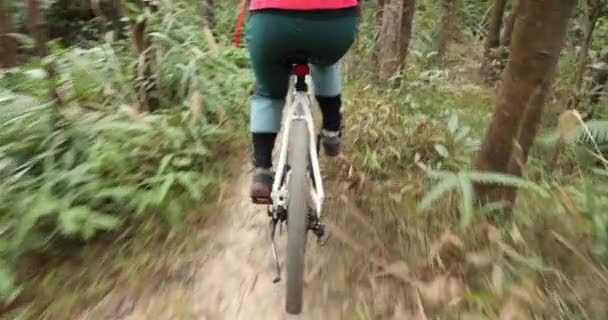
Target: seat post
[301,71]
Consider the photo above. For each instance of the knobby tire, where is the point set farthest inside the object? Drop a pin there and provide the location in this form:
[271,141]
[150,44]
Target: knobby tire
[298,204]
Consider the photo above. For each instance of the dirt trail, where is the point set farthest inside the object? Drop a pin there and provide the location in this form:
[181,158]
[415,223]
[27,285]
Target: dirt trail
[233,279]
[236,283]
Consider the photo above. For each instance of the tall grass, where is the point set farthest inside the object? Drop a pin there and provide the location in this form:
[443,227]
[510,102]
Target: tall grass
[94,164]
[547,260]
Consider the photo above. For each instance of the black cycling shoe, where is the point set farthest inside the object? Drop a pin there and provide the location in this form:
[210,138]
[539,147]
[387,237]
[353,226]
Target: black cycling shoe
[261,186]
[332,142]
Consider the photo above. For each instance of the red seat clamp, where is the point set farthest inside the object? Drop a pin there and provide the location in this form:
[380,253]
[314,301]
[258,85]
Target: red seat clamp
[301,70]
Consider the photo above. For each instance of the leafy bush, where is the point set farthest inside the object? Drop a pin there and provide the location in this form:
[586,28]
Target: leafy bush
[463,181]
[92,164]
[413,148]
[431,133]
[475,15]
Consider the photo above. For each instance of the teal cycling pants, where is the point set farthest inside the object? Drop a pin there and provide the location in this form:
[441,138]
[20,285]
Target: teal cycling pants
[274,35]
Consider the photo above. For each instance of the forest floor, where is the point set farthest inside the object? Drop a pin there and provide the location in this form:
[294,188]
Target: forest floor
[231,277]
[382,261]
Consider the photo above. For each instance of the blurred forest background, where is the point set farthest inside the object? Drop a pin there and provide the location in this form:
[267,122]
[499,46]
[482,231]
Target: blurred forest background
[475,139]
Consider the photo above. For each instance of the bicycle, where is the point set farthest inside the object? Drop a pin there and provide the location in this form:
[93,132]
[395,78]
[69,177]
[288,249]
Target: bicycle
[297,192]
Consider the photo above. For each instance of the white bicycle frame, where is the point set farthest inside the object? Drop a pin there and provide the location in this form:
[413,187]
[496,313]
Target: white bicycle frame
[298,107]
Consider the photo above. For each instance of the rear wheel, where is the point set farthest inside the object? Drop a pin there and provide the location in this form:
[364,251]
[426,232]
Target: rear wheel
[297,209]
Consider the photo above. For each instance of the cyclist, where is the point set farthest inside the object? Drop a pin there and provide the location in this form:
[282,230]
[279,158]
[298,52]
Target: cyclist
[322,31]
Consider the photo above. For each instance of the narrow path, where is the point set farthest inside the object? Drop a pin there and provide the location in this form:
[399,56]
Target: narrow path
[236,281]
[233,279]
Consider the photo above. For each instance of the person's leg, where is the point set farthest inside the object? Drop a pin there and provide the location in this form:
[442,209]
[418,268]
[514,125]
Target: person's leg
[328,90]
[271,37]
[265,38]
[327,49]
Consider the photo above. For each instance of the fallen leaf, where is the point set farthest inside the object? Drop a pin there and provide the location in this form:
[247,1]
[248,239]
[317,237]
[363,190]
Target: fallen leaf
[493,234]
[448,246]
[441,290]
[479,259]
[512,311]
[516,235]
[196,105]
[399,270]
[498,280]
[567,123]
[211,42]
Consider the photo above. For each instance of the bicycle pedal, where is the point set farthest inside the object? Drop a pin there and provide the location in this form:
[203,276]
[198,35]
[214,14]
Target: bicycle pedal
[261,201]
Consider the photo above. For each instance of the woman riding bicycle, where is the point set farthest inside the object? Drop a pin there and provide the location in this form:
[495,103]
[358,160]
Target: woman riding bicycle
[278,30]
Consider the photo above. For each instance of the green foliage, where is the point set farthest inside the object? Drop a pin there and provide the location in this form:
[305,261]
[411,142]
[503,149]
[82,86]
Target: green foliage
[183,66]
[93,165]
[475,15]
[403,134]
[601,29]
[595,199]
[588,141]
[593,132]
[430,130]
[464,181]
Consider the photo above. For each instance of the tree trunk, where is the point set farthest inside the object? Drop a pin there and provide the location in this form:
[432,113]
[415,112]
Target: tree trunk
[407,23]
[143,72]
[447,26]
[8,45]
[117,13]
[209,13]
[537,41]
[36,24]
[493,35]
[389,44]
[395,35]
[379,12]
[37,28]
[510,23]
[112,11]
[85,9]
[593,15]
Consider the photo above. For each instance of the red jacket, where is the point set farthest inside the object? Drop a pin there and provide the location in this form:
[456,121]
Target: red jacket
[302,4]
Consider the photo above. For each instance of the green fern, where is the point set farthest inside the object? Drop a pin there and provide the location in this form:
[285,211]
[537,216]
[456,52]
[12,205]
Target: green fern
[466,205]
[105,168]
[594,197]
[447,183]
[504,180]
[591,143]
[463,181]
[597,133]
